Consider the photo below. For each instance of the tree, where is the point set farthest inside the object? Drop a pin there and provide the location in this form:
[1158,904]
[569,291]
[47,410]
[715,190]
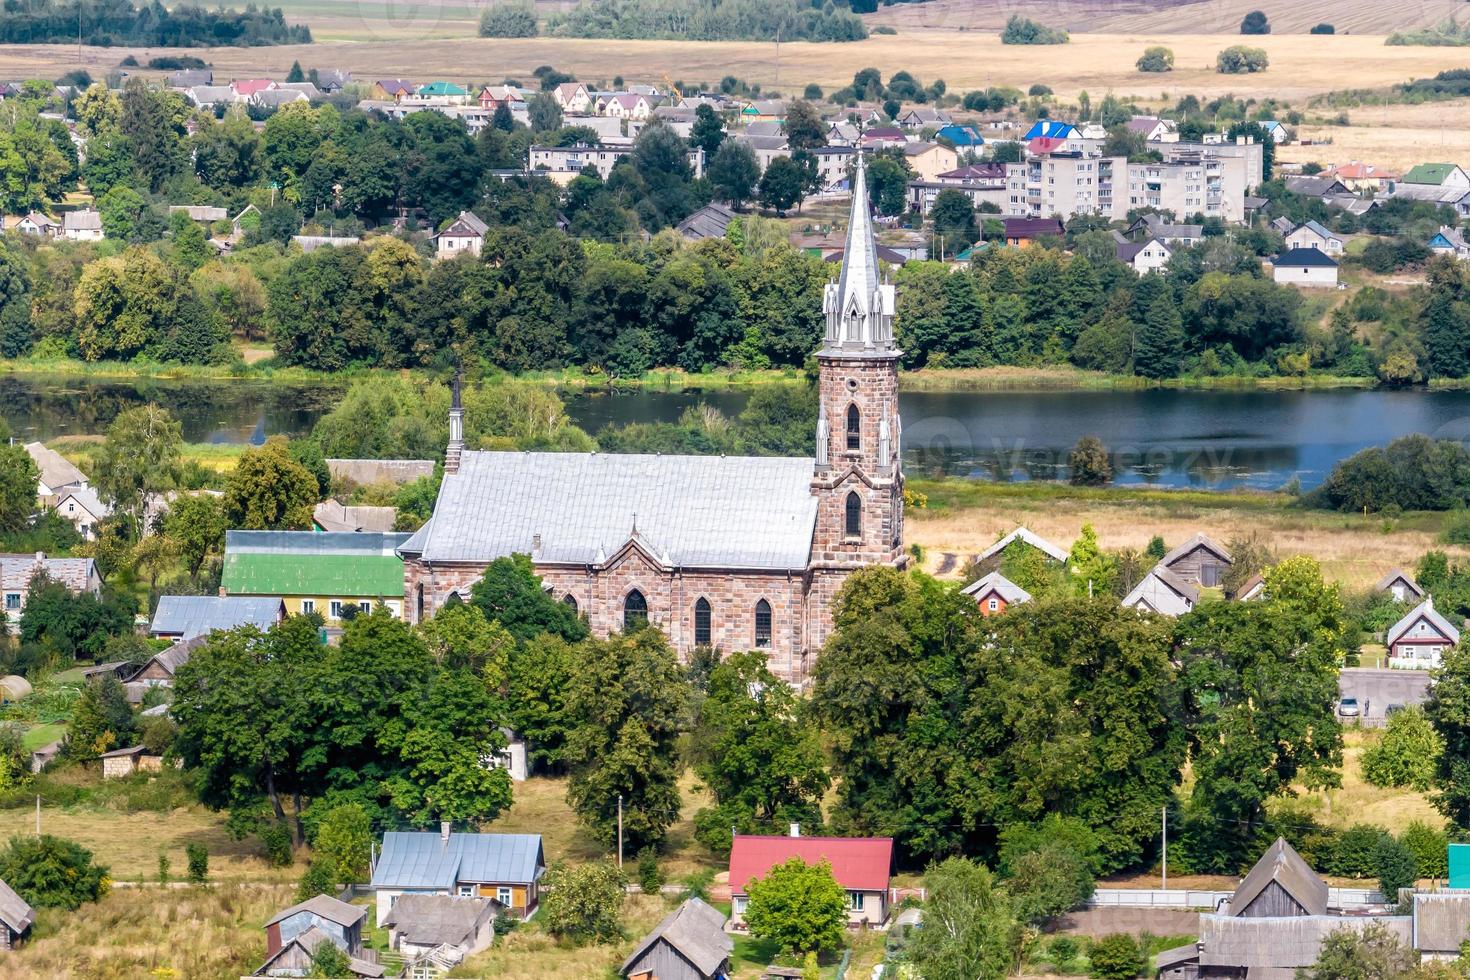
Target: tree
[762,761]
[101,721]
[538,683]
[139,459]
[18,479]
[543,112]
[15,301]
[269,491]
[196,522]
[1048,882]
[1395,866]
[888,179]
[71,625]
[329,960]
[319,878]
[1089,463]
[783,185]
[1373,952]
[1159,344]
[799,907]
[583,903]
[1239,59]
[708,131]
[734,172]
[1322,28]
[1448,710]
[52,872]
[508,20]
[198,858]
[190,248]
[630,700]
[510,594]
[1156,59]
[972,931]
[805,128]
[953,217]
[344,840]
[1406,753]
[1255,22]
[1116,957]
[1022,30]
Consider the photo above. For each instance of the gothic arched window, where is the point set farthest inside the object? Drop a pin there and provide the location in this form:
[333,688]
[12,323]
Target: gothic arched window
[571,601]
[854,521]
[635,611]
[702,631]
[762,624]
[854,428]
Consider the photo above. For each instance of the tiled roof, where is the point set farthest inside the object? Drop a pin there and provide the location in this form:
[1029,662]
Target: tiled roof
[858,863]
[197,615]
[416,859]
[691,511]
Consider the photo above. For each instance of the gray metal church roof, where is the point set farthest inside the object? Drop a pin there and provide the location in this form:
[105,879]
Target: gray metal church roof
[582,508]
[412,859]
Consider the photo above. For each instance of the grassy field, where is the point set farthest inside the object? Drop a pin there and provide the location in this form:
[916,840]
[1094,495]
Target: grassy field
[1301,65]
[1391,136]
[964,517]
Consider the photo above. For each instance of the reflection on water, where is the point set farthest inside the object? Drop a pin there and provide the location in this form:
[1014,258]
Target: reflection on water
[1176,438]
[210,411]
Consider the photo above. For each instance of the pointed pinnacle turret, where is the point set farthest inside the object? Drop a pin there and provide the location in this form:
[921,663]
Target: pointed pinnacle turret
[859,306]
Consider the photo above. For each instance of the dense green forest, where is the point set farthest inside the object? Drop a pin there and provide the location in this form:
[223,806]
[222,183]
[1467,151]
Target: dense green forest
[108,22]
[705,20]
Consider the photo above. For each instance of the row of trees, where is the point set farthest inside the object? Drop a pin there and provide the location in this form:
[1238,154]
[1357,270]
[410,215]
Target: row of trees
[123,22]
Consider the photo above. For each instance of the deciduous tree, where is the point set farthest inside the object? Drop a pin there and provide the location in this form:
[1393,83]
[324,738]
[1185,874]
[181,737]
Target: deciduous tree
[797,906]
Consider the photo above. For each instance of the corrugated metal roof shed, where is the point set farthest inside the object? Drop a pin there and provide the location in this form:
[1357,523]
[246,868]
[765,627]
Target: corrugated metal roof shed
[188,616]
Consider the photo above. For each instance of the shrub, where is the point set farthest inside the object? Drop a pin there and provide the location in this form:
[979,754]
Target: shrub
[1356,854]
[1323,28]
[198,862]
[344,840]
[1410,473]
[1089,463]
[163,865]
[650,878]
[885,29]
[1406,753]
[1396,867]
[1064,949]
[1428,845]
[1156,59]
[583,903]
[1238,59]
[318,880]
[51,872]
[1255,22]
[277,840]
[1116,957]
[508,20]
[1023,30]
[1039,89]
[1456,529]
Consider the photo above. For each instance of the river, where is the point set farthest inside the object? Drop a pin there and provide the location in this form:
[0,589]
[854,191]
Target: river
[1169,437]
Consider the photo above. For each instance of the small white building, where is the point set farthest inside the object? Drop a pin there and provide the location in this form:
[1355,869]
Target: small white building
[82,226]
[84,509]
[1313,234]
[1162,592]
[1145,257]
[1307,267]
[1419,640]
[465,234]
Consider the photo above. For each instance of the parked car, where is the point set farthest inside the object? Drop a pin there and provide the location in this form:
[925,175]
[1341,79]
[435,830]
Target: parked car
[1348,708]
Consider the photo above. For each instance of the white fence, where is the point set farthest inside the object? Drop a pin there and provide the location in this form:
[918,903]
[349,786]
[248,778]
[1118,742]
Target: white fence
[1208,901]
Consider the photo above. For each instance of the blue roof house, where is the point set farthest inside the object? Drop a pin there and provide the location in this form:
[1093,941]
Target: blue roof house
[960,135]
[505,867]
[1049,129]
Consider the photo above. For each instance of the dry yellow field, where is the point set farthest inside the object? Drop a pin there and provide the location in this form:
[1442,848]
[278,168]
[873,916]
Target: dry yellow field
[1352,549]
[1394,136]
[1098,63]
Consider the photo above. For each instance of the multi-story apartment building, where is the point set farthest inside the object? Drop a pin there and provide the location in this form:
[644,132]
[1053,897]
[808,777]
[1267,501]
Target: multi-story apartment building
[1065,184]
[1194,178]
[568,161]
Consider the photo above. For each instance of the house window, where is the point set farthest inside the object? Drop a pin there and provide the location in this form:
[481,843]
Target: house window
[571,602]
[762,624]
[854,520]
[365,606]
[503,896]
[308,606]
[465,891]
[334,609]
[738,904]
[854,428]
[993,604]
[702,622]
[635,611]
[12,601]
[854,901]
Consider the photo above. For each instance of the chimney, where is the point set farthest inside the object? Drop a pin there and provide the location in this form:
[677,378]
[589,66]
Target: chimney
[444,826]
[535,544]
[795,830]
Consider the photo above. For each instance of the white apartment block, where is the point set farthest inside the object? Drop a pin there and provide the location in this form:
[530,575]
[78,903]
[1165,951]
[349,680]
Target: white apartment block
[1065,185]
[572,159]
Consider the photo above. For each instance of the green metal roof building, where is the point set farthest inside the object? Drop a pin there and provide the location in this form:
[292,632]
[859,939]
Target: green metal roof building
[316,572]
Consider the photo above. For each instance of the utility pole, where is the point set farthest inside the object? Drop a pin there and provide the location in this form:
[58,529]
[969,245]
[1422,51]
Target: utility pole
[1164,816]
[38,814]
[620,830]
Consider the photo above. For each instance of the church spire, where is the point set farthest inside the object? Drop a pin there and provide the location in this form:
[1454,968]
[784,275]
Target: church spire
[859,305]
[455,448]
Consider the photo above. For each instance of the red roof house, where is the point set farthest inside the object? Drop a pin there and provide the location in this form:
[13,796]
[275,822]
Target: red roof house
[861,865]
[246,87]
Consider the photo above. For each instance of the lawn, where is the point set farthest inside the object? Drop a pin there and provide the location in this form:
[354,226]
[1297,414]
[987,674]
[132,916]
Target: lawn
[1358,802]
[39,735]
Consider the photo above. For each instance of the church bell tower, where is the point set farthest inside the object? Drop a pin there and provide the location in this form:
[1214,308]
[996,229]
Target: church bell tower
[858,478]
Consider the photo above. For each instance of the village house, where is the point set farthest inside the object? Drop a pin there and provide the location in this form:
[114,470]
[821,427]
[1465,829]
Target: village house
[1446,176]
[1315,186]
[572,97]
[332,80]
[82,226]
[434,933]
[929,160]
[1401,586]
[1199,561]
[1053,136]
[1361,177]
[1420,638]
[1162,591]
[710,221]
[316,572]
[443,93]
[391,90]
[293,935]
[624,105]
[963,137]
[493,97]
[922,117]
[332,515]
[764,109]
[277,97]
[183,617]
[310,243]
[1146,256]
[84,509]
[17,571]
[1307,267]
[465,233]
[16,916]
[1027,537]
[1154,226]
[1023,232]
[690,943]
[1252,588]
[1450,241]
[994,593]
[863,866]
[208,96]
[37,224]
[718,551]
[505,867]
[1153,129]
[124,762]
[244,88]
[883,137]
[59,475]
[1312,234]
[160,669]
[190,77]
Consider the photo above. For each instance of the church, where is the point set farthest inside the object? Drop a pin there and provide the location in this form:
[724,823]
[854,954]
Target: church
[736,553]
